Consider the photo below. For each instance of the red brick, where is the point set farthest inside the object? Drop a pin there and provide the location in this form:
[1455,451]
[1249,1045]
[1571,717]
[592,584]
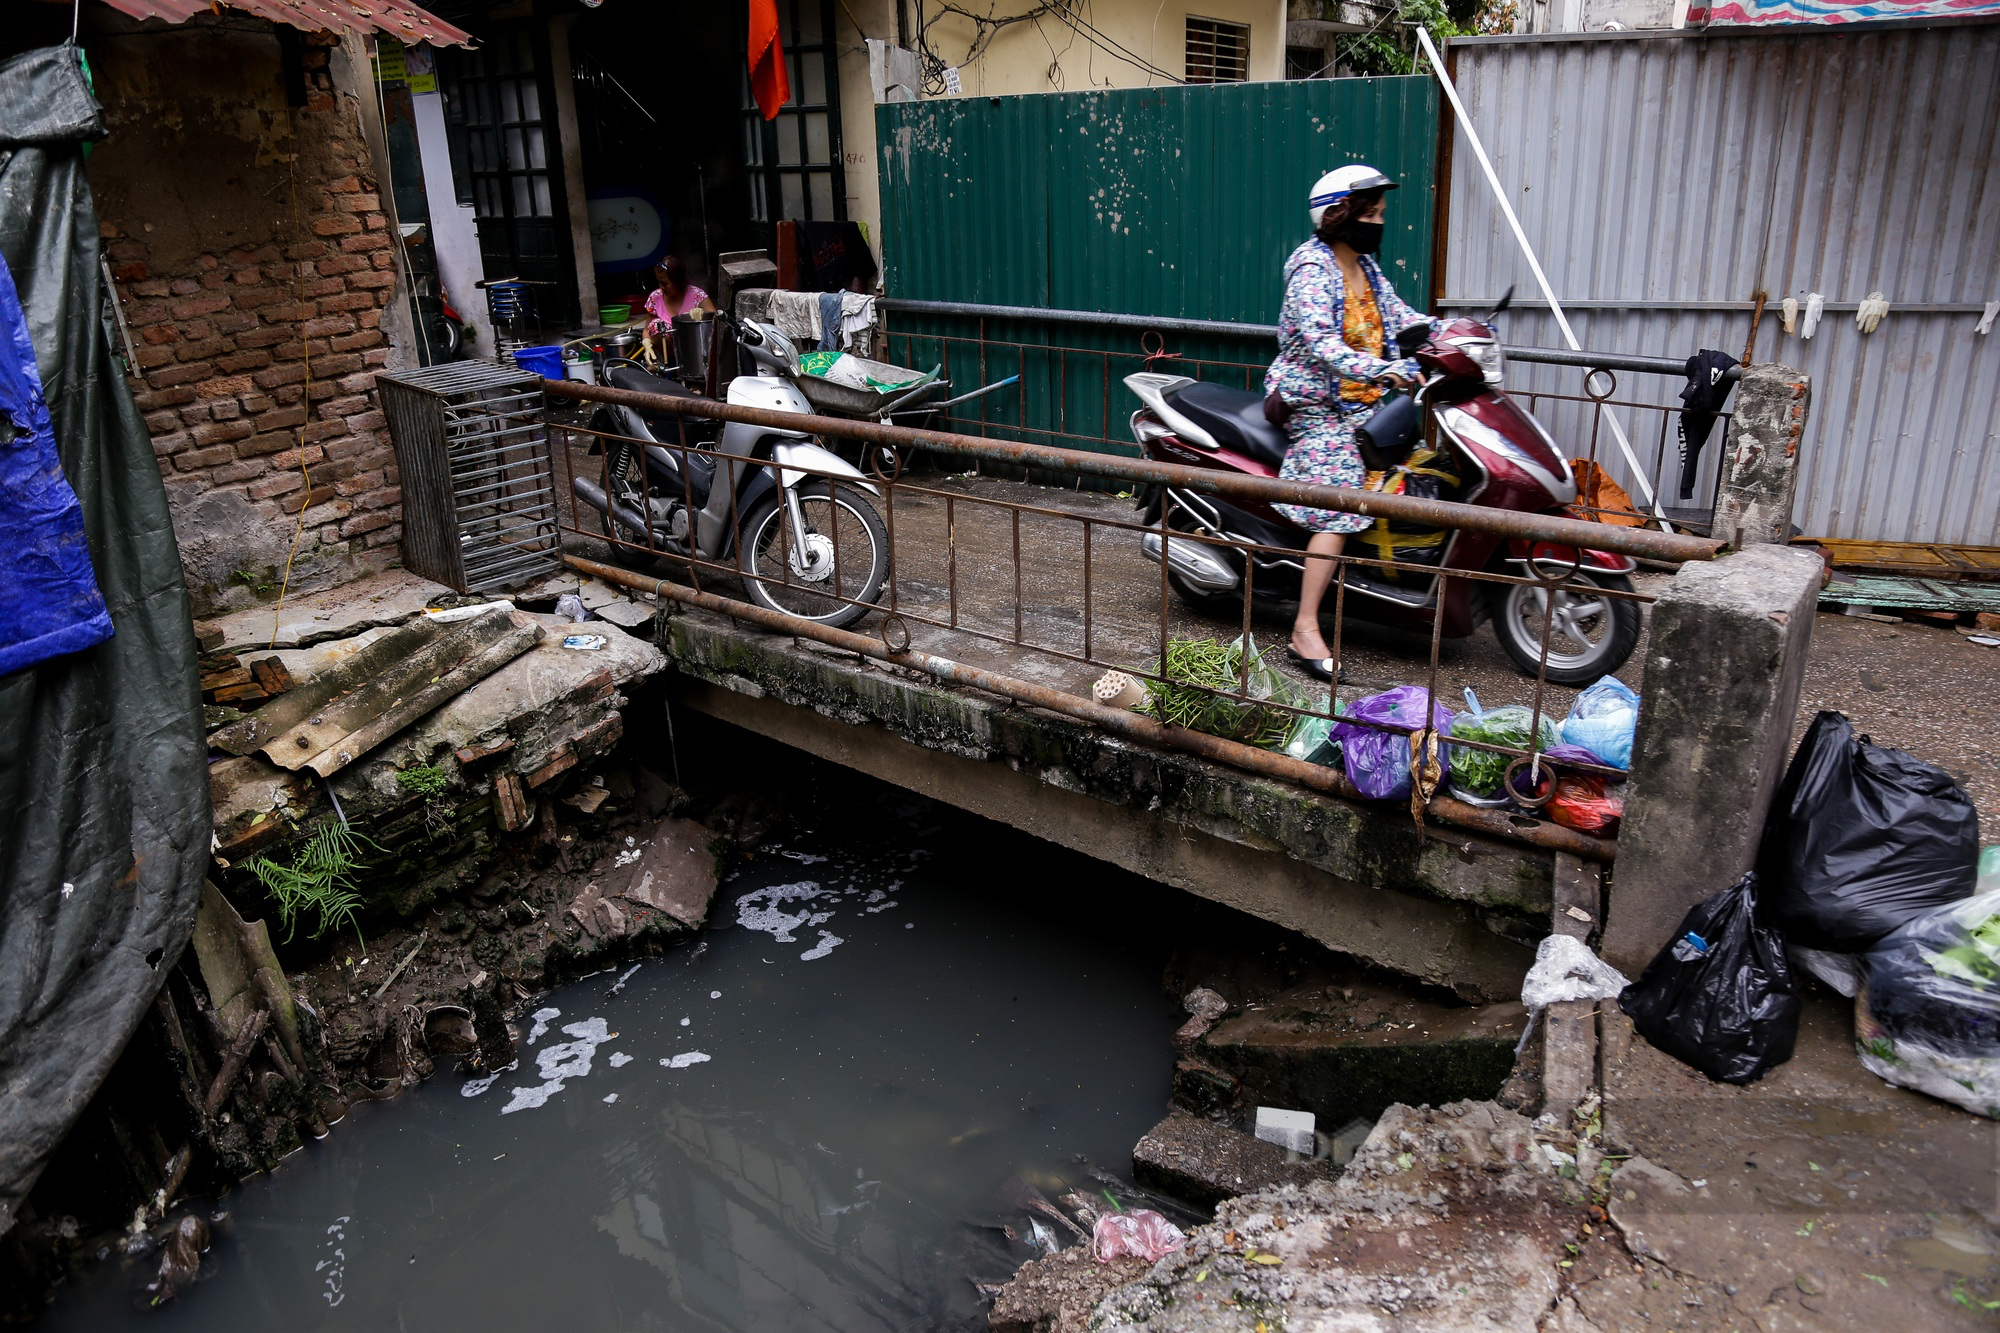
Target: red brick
[388,495]
[330,324]
[357,383]
[256,402]
[242,361]
[228,386]
[320,287]
[348,406]
[290,459]
[365,452]
[225,410]
[207,262]
[196,306]
[277,375]
[344,184]
[376,356]
[383,259]
[355,245]
[318,495]
[156,422]
[330,512]
[372,280]
[356,341]
[195,459]
[134,271]
[315,431]
[125,251]
[289,311]
[196,414]
[154,398]
[234,322]
[268,442]
[305,250]
[185,286]
[284,483]
[282,418]
[387,537]
[339,224]
[165,446]
[348,301]
[160,334]
[222,432]
[340,363]
[251,298]
[149,357]
[334,265]
[231,473]
[212,281]
[370,319]
[358,482]
[175,376]
[151,287]
[358,203]
[366,523]
[367,421]
[375,221]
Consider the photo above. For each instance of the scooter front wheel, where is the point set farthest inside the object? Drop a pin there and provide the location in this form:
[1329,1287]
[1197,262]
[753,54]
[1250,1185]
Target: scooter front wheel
[1590,635]
[835,574]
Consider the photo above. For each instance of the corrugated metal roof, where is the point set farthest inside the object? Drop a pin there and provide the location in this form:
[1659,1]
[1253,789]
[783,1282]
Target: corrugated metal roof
[394,17]
[1672,179]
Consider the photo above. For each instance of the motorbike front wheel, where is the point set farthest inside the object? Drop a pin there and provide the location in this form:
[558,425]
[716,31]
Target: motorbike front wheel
[1590,634]
[835,575]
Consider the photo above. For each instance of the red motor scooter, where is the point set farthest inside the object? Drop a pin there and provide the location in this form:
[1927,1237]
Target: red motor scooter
[1489,451]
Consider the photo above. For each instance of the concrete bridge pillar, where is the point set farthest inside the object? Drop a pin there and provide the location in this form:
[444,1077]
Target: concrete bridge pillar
[1724,669]
[1760,456]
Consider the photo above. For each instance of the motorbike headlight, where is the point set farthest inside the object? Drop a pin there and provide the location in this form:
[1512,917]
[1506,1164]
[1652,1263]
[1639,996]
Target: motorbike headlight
[1486,354]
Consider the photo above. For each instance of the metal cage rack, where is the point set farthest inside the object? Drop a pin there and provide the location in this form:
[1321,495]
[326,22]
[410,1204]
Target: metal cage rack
[479,501]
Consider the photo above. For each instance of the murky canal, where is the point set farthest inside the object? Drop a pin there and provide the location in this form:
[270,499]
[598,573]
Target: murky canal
[810,1121]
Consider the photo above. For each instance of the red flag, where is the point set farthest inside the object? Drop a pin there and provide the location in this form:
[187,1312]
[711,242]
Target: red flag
[768,80]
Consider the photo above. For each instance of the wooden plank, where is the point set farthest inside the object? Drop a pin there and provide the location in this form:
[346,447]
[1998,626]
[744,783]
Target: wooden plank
[228,678]
[272,675]
[1925,559]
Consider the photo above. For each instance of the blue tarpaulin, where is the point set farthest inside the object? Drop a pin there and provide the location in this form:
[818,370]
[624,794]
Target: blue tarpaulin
[50,604]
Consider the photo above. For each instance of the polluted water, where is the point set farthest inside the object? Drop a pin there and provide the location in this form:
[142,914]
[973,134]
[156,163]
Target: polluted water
[825,1118]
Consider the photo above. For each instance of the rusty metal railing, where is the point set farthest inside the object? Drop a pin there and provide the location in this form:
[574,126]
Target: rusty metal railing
[1073,396]
[951,585]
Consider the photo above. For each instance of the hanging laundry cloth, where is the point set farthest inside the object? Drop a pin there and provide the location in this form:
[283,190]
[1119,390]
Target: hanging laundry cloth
[1703,397]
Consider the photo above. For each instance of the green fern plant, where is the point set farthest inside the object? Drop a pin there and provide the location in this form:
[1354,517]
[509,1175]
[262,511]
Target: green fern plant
[423,779]
[319,881]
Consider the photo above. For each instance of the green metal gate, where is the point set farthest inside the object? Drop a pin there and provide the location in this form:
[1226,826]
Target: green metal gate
[1174,202]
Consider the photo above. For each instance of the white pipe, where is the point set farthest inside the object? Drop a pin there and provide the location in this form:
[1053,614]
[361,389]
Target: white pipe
[1534,264]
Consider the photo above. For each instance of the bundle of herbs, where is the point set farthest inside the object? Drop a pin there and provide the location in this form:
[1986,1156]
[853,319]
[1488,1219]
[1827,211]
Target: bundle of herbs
[1198,679]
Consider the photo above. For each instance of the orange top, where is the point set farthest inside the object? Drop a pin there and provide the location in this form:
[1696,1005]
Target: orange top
[1361,329]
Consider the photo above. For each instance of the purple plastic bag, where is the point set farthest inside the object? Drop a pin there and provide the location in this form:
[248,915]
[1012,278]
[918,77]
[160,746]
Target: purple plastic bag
[1378,762]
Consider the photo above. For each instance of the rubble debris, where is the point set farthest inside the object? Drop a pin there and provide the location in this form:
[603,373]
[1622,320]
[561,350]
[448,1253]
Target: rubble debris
[1205,1007]
[1059,1292]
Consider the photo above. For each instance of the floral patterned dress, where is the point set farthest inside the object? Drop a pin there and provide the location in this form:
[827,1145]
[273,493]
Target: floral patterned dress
[1330,351]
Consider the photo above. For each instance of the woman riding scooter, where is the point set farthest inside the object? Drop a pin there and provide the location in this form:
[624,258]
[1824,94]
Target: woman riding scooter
[1332,368]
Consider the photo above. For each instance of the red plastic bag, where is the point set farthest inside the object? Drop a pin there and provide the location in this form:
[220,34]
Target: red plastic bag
[1582,801]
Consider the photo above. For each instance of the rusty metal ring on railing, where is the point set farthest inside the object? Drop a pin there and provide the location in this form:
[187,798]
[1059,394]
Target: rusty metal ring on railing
[894,626]
[1590,381]
[896,459]
[1534,802]
[1535,564]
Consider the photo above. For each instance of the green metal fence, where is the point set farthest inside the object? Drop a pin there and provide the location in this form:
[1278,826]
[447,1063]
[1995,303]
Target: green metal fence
[1174,202]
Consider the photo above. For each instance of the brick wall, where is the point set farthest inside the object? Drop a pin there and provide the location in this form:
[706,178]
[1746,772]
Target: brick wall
[258,335]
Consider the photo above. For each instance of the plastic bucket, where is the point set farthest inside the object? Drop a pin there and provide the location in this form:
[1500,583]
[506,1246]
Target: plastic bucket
[544,361]
[578,363]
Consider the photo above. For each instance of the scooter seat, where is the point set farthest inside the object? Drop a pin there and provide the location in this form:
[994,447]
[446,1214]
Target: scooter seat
[665,425]
[1234,418]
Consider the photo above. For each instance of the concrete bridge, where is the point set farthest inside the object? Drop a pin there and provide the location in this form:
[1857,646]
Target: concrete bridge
[996,595]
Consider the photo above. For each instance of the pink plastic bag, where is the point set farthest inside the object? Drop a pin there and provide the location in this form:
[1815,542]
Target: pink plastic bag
[1141,1233]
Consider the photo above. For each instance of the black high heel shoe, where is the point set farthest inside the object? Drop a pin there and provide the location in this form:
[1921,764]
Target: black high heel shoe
[1319,668]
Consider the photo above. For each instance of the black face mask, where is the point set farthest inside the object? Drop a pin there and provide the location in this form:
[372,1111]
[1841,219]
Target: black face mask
[1365,238]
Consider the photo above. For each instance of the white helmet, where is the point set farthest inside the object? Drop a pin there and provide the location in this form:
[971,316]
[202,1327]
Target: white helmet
[1341,182]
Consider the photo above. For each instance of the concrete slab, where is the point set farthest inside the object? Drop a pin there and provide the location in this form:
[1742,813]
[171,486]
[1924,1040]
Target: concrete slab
[389,598]
[1187,1157]
[670,870]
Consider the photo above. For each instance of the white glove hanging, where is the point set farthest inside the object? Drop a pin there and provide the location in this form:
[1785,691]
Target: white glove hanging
[1870,312]
[1791,314]
[1815,305]
[1985,324]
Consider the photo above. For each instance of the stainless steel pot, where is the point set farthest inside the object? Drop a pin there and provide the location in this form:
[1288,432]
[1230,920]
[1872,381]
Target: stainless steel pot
[692,339]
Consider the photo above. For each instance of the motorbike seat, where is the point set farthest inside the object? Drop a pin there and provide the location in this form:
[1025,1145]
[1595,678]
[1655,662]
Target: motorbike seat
[665,425]
[1233,417]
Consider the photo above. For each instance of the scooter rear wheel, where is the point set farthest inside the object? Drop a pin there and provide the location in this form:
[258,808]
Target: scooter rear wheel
[1590,635]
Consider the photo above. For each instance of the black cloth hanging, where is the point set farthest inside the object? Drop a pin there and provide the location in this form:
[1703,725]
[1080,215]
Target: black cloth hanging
[1707,390]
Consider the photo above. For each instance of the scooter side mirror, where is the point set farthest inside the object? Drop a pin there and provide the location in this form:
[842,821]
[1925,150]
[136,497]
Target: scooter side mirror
[1410,339]
[1506,299]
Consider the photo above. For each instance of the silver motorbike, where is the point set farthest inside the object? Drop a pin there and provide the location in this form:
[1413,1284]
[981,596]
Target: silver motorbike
[797,519]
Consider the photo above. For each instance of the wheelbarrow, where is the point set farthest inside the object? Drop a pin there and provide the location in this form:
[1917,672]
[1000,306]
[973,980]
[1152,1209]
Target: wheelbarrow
[916,400]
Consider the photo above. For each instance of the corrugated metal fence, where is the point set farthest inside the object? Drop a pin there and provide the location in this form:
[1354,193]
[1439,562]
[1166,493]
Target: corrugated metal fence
[1666,179]
[1176,202]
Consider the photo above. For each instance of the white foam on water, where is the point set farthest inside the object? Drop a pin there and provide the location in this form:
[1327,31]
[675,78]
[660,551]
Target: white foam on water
[828,942]
[689,1022]
[625,858]
[909,925]
[805,858]
[764,910]
[559,1063]
[880,907]
[683,1060]
[619,1059]
[610,1097]
[541,1017]
[715,995]
[474,1086]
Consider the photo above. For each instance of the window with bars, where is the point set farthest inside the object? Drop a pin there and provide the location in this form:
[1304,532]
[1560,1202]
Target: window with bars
[1217,52]
[793,161]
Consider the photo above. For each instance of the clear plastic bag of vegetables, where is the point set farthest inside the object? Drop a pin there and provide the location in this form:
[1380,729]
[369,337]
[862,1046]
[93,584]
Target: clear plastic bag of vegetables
[1200,678]
[1480,774]
[1603,720]
[1312,736]
[1928,1013]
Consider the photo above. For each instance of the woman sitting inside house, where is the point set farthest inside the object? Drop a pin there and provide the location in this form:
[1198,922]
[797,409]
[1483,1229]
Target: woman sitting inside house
[675,295]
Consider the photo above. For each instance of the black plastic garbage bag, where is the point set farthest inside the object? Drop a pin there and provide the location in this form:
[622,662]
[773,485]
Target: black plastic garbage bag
[1863,838]
[1720,997]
